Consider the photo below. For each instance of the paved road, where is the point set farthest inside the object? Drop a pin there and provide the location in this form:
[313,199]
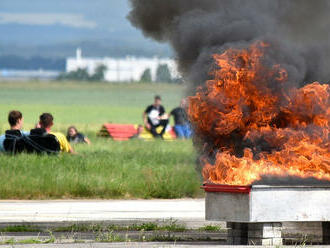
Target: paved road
[109,210]
[144,245]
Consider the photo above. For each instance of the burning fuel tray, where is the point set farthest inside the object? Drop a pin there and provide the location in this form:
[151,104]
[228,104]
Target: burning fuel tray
[262,203]
[255,214]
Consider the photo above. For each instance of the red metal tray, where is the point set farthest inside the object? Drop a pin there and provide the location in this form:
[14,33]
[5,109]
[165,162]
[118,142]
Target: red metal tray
[226,188]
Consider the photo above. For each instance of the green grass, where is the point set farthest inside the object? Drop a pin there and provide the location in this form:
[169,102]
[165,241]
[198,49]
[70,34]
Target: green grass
[87,105]
[20,228]
[106,169]
[210,228]
[170,226]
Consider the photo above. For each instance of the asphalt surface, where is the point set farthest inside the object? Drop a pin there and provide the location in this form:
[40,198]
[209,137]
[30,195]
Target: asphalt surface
[88,210]
[145,245]
[189,212]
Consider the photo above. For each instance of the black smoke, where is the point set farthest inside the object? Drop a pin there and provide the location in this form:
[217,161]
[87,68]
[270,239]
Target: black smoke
[297,29]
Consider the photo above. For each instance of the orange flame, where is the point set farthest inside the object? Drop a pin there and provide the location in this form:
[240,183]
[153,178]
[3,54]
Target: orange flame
[256,124]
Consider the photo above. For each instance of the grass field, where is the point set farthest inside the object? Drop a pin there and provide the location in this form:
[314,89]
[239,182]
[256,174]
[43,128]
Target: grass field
[106,169]
[86,105]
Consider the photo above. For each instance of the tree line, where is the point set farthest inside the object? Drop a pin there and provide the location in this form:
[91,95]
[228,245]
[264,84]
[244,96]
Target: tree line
[163,75]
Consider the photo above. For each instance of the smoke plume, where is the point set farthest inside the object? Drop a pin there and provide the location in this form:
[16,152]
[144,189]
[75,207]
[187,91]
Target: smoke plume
[297,29]
[259,112]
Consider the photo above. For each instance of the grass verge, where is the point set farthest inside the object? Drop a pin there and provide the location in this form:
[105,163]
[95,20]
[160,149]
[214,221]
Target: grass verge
[105,170]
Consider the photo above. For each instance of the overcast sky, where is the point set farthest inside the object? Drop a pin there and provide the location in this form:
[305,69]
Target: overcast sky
[98,26]
[107,15]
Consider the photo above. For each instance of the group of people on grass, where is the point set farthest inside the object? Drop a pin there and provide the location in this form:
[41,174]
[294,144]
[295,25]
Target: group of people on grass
[41,139]
[155,116]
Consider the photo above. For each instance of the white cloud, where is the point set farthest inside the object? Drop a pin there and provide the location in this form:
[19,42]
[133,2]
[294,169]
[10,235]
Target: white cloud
[72,20]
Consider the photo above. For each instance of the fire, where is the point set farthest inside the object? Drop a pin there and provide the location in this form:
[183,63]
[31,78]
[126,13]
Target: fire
[253,123]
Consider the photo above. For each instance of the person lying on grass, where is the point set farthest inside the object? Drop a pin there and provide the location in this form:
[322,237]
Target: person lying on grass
[16,121]
[46,122]
[73,136]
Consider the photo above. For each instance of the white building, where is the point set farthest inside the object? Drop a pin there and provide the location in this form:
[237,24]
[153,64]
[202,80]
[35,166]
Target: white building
[120,70]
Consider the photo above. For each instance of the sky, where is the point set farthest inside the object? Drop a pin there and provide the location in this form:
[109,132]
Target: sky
[64,23]
[103,14]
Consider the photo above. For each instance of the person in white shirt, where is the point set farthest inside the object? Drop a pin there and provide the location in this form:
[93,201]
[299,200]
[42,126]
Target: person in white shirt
[155,116]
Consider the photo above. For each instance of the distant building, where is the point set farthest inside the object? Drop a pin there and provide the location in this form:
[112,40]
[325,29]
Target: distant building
[120,69]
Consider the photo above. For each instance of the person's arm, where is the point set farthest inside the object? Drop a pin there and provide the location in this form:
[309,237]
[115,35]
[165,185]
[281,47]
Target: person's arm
[145,117]
[162,114]
[145,120]
[171,113]
[71,151]
[2,139]
[87,140]
[66,146]
[162,111]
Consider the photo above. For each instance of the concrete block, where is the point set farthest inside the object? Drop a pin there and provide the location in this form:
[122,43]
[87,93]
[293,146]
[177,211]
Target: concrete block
[266,241]
[255,233]
[237,233]
[235,225]
[326,233]
[236,241]
[256,241]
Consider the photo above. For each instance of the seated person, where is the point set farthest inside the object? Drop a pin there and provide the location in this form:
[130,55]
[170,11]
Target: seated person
[154,116]
[46,122]
[73,136]
[16,120]
[182,126]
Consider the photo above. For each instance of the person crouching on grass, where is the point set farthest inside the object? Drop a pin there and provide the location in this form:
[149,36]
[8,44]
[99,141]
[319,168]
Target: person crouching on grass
[154,116]
[46,122]
[73,136]
[16,120]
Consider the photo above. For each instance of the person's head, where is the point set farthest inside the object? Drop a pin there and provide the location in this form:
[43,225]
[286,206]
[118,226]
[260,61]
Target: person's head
[183,103]
[15,119]
[158,100]
[46,120]
[72,131]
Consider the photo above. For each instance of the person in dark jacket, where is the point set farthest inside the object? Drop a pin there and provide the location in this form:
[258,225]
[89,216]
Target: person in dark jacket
[73,136]
[16,121]
[182,126]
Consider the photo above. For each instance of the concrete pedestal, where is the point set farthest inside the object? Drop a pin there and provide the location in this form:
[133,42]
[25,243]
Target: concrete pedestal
[254,233]
[269,234]
[326,233]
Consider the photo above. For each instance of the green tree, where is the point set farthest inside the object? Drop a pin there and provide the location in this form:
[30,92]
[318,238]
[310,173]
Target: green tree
[78,75]
[163,74]
[99,73]
[146,76]
[83,75]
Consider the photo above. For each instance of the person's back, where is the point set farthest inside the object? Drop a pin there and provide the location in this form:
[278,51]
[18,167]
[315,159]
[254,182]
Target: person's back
[14,142]
[46,122]
[39,141]
[12,138]
[182,126]
[180,116]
